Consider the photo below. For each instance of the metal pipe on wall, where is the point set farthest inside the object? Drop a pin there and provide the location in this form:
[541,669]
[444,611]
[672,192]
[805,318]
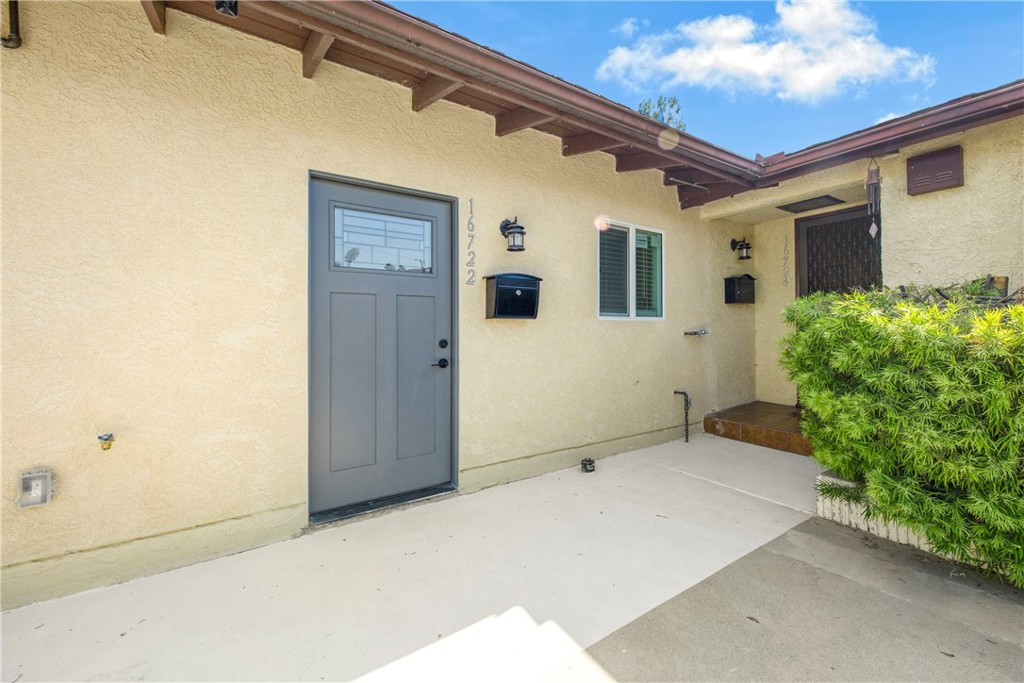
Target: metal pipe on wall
[686,414]
[13,39]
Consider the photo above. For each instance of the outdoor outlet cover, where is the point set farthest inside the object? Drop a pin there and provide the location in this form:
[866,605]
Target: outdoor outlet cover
[37,488]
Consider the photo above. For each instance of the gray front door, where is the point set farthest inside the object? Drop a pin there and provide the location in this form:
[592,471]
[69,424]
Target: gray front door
[381,343]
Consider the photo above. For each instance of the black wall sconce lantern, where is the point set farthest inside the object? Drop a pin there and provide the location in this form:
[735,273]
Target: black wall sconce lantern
[514,233]
[742,246]
[229,8]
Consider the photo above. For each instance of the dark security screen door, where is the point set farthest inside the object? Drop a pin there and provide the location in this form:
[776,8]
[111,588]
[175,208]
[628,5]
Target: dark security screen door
[837,252]
[380,328]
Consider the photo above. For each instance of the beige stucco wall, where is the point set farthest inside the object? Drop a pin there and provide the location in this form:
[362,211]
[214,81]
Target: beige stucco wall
[155,286]
[965,232]
[937,238]
[775,270]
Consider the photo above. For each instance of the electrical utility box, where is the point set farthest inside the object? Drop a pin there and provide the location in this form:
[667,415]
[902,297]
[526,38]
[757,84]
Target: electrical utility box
[512,295]
[739,289]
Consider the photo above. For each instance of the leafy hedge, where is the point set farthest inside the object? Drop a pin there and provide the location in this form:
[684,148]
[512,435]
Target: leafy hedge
[922,407]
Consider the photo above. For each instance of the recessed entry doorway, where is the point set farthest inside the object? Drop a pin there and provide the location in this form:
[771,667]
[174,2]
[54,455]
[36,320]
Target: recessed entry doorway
[382,361]
[839,252]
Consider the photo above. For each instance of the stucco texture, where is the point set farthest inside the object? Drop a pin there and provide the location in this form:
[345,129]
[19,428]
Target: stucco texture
[155,204]
[937,238]
[964,232]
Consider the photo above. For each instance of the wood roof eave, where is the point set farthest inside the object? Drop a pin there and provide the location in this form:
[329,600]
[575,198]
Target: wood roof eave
[450,55]
[1002,102]
[435,64]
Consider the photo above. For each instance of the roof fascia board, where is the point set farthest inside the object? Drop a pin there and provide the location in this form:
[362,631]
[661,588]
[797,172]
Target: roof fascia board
[480,66]
[967,112]
[382,29]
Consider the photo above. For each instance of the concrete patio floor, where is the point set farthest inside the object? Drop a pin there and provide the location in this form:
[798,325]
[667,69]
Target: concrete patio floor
[516,582]
[824,602]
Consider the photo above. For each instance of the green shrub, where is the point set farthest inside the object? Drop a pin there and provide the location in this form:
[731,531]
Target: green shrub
[921,405]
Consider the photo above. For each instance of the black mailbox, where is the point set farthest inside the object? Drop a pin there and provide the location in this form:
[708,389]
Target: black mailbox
[512,295]
[739,289]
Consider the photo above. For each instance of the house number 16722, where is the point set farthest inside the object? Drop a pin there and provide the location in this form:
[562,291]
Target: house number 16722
[470,254]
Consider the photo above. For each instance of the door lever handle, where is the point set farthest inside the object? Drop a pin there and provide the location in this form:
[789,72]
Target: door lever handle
[443,363]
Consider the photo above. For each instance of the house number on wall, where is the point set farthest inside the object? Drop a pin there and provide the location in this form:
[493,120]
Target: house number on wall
[785,263]
[470,254]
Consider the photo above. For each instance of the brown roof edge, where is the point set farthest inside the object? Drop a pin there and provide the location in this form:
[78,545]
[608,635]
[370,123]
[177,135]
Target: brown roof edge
[964,112]
[452,54]
[388,25]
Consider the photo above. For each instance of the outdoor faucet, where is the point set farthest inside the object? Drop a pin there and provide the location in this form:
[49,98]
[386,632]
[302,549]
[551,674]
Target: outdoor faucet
[696,333]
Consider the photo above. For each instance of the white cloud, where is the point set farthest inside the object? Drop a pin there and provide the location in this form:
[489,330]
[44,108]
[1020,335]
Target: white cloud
[888,117]
[814,50]
[627,28]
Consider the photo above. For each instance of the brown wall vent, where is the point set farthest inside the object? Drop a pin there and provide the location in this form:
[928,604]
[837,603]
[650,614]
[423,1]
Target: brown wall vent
[937,170]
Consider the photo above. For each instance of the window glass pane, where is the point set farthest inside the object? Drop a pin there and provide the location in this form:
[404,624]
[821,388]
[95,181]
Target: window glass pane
[648,274]
[614,272]
[377,241]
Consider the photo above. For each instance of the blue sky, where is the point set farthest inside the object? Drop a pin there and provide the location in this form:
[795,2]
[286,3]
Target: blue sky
[758,77]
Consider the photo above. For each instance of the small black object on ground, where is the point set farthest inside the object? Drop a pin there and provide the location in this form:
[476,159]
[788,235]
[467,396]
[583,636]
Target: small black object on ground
[587,464]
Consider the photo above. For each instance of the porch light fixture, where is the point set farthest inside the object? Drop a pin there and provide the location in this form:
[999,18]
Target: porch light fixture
[229,8]
[514,233]
[742,246]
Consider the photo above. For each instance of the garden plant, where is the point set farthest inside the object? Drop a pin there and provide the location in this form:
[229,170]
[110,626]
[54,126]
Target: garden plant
[918,400]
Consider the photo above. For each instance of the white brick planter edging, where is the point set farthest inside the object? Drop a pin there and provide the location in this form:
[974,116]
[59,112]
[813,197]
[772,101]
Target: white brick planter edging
[852,515]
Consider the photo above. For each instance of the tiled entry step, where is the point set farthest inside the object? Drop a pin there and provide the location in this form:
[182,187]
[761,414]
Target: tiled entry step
[764,424]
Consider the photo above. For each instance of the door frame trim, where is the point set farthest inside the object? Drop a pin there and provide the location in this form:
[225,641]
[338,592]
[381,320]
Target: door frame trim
[453,202]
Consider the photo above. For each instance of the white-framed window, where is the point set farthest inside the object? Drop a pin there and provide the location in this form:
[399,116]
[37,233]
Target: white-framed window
[630,272]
